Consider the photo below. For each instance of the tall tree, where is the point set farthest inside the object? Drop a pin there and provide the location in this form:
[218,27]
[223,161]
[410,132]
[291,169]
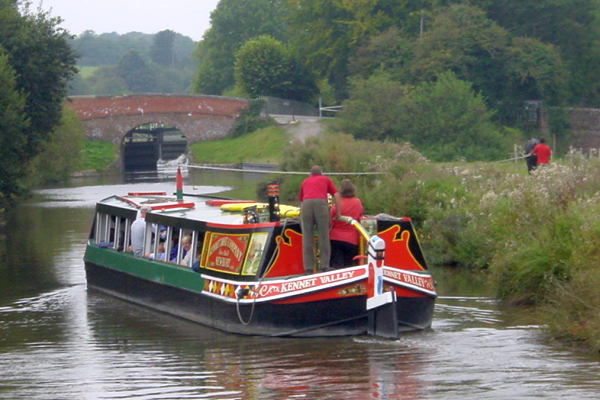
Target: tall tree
[162,51]
[62,152]
[136,72]
[13,122]
[505,69]
[265,67]
[573,26]
[446,120]
[234,22]
[328,33]
[44,62]
[372,110]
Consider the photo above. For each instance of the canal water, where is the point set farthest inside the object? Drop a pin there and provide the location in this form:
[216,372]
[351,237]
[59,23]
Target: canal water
[60,341]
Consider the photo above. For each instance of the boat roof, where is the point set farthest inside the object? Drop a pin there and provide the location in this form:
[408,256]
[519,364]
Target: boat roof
[192,208]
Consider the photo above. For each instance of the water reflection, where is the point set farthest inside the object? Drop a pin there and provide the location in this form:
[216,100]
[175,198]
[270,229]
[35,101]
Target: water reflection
[251,367]
[59,340]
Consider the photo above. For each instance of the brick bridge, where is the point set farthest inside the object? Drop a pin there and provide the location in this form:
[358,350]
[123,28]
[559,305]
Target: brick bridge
[199,117]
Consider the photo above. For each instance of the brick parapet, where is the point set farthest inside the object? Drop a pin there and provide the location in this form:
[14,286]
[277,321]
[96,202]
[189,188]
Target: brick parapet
[199,117]
[94,107]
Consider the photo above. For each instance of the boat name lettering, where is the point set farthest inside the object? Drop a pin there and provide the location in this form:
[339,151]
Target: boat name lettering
[286,287]
[303,284]
[423,282]
[338,276]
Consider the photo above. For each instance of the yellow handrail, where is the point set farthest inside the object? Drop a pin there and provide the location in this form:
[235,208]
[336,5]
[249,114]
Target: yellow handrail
[361,229]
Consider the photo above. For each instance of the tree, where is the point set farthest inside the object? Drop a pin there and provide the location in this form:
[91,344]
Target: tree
[327,34]
[106,81]
[506,70]
[372,110]
[265,67]
[388,51]
[162,51]
[572,26]
[534,71]
[44,62]
[261,66]
[13,124]
[446,120]
[233,23]
[62,152]
[462,39]
[37,63]
[136,73]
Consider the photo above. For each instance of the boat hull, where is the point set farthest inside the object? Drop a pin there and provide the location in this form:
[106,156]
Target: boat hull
[182,292]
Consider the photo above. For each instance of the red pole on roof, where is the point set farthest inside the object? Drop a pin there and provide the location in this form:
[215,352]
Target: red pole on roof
[179,185]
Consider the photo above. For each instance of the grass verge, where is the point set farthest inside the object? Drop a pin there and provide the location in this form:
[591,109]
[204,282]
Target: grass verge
[264,145]
[97,155]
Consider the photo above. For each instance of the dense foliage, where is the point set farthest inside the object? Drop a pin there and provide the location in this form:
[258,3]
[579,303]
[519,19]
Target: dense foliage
[36,62]
[113,64]
[265,67]
[537,235]
[234,22]
[507,53]
[62,153]
[13,122]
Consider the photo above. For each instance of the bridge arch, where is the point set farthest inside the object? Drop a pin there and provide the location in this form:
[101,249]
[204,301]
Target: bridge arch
[198,117]
[143,147]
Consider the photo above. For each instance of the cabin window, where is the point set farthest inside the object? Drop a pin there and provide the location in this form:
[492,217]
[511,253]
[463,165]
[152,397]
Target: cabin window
[255,253]
[120,236]
[184,247]
[147,239]
[156,242]
[177,242]
[99,228]
[197,247]
[106,231]
[127,234]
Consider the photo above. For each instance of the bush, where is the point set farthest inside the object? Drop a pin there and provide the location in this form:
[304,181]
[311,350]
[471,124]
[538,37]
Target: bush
[61,154]
[250,119]
[537,235]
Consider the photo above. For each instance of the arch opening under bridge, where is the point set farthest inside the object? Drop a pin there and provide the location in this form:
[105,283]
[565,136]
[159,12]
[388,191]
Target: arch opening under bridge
[147,146]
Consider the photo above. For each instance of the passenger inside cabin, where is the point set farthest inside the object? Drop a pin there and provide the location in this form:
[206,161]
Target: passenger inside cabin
[174,246]
[160,254]
[186,254]
[111,242]
[138,231]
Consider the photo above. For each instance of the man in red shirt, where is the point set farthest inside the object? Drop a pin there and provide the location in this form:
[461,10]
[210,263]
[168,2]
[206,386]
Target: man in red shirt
[542,152]
[314,210]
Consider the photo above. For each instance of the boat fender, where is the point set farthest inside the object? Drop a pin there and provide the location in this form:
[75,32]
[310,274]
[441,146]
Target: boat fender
[241,292]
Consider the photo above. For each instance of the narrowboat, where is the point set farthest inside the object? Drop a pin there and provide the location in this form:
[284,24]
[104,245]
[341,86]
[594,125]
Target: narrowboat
[239,269]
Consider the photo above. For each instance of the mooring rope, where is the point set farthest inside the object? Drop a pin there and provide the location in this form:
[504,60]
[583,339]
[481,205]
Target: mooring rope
[262,171]
[255,289]
[512,159]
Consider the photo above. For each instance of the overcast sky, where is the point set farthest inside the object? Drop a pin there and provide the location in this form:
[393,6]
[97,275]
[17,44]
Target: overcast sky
[188,17]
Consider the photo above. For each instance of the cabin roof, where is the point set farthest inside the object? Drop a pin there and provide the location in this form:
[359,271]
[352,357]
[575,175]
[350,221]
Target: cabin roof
[193,208]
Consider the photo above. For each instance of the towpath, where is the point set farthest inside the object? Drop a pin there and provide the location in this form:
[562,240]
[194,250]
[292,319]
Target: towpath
[300,127]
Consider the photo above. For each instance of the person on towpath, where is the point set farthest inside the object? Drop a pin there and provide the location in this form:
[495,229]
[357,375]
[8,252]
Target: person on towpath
[530,158]
[542,152]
